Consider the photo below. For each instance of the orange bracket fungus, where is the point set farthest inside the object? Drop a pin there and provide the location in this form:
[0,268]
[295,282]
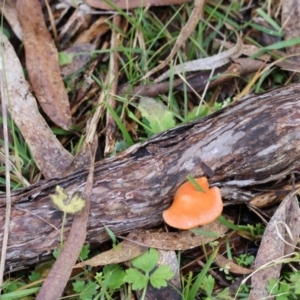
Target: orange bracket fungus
[193,207]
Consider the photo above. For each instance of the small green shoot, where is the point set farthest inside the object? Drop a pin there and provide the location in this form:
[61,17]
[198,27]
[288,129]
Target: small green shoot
[197,113]
[84,253]
[287,288]
[207,285]
[34,276]
[146,263]
[85,289]
[245,260]
[56,253]
[110,280]
[228,249]
[68,205]
[65,58]
[225,269]
[249,229]
[111,235]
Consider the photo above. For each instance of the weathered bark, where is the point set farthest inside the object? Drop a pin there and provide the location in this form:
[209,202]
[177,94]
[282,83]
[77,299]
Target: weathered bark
[248,145]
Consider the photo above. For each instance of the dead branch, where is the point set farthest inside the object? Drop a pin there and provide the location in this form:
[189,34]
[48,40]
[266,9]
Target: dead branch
[243,148]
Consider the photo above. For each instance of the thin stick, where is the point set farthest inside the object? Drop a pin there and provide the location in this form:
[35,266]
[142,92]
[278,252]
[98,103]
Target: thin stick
[113,74]
[7,167]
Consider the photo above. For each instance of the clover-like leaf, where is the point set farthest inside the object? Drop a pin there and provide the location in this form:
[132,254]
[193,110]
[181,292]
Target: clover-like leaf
[160,275]
[114,276]
[146,261]
[66,204]
[138,280]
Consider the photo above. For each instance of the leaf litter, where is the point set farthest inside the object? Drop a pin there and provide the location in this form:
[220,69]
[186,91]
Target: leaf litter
[138,241]
[49,155]
[145,238]
[276,242]
[42,63]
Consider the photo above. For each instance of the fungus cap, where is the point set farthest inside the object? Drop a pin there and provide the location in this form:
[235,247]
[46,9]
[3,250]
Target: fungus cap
[192,208]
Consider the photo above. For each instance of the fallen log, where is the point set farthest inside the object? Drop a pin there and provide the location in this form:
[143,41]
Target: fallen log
[242,148]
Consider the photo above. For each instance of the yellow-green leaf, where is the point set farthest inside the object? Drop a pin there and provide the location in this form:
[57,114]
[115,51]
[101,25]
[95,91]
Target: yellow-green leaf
[69,205]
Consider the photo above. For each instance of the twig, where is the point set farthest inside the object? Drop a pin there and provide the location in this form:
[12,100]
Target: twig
[147,90]
[113,74]
[207,63]
[239,67]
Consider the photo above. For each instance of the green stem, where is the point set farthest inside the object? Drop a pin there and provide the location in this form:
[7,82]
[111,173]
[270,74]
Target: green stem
[193,181]
[145,290]
[62,229]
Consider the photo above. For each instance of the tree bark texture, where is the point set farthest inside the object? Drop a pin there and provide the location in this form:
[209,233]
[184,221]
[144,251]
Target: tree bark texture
[243,148]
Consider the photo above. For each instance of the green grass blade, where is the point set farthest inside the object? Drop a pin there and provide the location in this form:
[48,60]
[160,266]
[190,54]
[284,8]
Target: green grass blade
[20,294]
[277,46]
[121,126]
[197,284]
[267,18]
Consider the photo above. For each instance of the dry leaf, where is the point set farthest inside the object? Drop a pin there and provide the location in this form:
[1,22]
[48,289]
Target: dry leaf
[122,252]
[94,31]
[138,241]
[42,63]
[10,13]
[273,247]
[57,279]
[222,262]
[290,18]
[79,20]
[49,155]
[129,4]
[181,240]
